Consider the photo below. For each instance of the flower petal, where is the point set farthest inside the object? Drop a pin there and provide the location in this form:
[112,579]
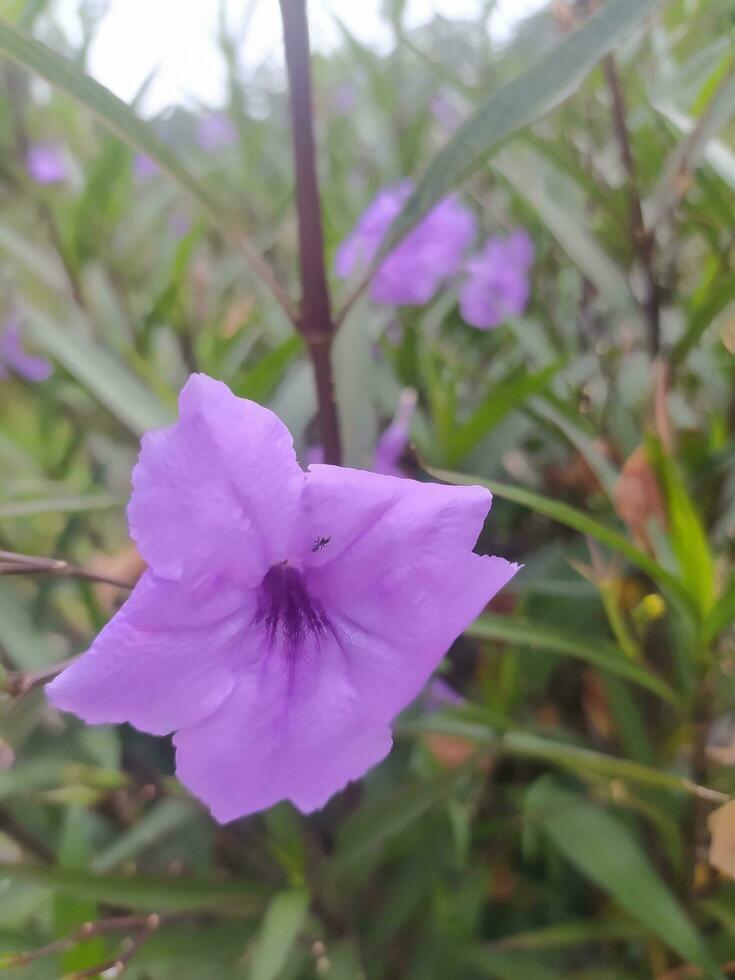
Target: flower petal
[290,730]
[218,492]
[397,579]
[167,659]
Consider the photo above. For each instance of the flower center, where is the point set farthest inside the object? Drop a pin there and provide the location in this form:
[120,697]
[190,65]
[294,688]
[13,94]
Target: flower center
[287,610]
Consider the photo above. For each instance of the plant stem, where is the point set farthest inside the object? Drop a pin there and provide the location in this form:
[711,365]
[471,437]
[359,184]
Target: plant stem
[643,240]
[315,320]
[15,564]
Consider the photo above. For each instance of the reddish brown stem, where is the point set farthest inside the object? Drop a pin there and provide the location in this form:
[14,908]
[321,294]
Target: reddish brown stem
[642,238]
[315,320]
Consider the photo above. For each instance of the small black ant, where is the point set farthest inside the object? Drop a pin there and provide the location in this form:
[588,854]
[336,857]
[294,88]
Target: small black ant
[320,543]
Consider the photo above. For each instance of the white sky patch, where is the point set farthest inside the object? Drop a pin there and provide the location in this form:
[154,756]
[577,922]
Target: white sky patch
[177,38]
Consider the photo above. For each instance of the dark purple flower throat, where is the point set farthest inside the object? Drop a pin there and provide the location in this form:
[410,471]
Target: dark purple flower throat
[287,609]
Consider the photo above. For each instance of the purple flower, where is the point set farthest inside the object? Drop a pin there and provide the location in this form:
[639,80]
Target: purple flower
[216,131]
[443,111]
[497,286]
[45,163]
[392,444]
[415,269]
[314,454]
[343,99]
[286,616]
[438,694]
[144,167]
[179,224]
[13,356]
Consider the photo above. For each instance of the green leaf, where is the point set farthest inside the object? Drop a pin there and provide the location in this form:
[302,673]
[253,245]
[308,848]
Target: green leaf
[503,965]
[121,120]
[687,534]
[591,650]
[380,819]
[569,934]
[559,206]
[518,104]
[604,850]
[722,614]
[157,893]
[60,505]
[502,399]
[282,923]
[576,519]
[101,373]
[490,731]
[259,381]
[160,821]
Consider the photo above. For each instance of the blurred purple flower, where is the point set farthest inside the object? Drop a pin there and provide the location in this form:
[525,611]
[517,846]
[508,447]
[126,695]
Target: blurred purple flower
[216,131]
[45,163]
[438,694]
[144,167]
[179,224]
[430,253]
[443,111]
[14,357]
[286,617]
[393,442]
[497,285]
[344,99]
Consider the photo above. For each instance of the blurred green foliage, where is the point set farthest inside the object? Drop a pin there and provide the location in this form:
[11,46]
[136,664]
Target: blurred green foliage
[555,825]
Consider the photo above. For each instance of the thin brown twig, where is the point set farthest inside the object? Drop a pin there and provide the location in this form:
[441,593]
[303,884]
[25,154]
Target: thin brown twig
[120,962]
[18,684]
[12,563]
[642,238]
[315,321]
[123,923]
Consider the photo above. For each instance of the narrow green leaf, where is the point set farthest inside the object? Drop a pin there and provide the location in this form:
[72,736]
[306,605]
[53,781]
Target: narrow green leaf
[561,209]
[164,818]
[101,373]
[591,650]
[581,761]
[576,519]
[378,820]
[603,849]
[157,893]
[569,934]
[722,614]
[519,103]
[687,534]
[283,921]
[59,505]
[504,965]
[259,381]
[502,399]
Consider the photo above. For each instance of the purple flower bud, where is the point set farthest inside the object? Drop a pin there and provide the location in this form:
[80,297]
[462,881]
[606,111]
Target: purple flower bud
[392,444]
[497,283]
[45,163]
[429,255]
[216,131]
[144,167]
[286,617]
[13,356]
